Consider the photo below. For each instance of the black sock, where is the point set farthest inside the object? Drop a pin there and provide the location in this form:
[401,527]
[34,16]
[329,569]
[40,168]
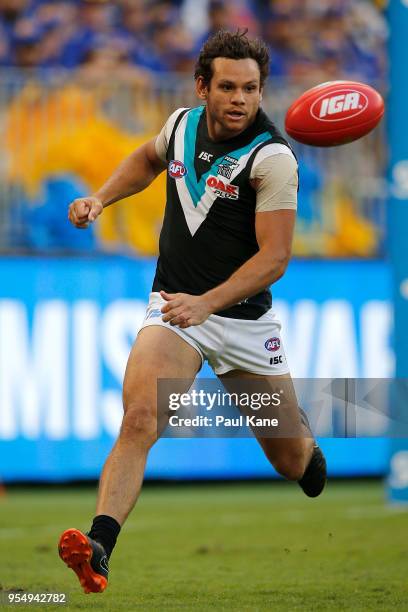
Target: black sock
[105,530]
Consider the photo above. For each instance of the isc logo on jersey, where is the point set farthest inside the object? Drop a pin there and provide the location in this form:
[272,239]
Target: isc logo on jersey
[223,190]
[339,106]
[177,169]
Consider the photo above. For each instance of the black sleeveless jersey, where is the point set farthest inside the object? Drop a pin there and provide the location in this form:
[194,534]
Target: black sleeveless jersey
[209,222]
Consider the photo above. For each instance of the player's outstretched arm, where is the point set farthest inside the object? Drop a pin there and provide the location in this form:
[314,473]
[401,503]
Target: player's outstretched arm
[134,174]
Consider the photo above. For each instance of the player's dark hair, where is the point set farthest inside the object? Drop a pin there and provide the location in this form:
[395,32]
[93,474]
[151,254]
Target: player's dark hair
[232,46]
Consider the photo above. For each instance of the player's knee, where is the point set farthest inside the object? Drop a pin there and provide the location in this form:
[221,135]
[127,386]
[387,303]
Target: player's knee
[139,423]
[291,465]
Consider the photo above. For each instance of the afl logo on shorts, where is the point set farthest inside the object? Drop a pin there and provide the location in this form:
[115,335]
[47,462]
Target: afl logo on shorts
[272,344]
[177,169]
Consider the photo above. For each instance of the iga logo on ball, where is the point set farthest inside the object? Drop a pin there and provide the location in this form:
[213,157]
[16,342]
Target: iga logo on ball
[272,344]
[177,169]
[344,104]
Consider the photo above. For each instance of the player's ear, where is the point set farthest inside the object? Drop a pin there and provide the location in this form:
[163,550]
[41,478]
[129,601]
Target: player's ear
[201,88]
[260,94]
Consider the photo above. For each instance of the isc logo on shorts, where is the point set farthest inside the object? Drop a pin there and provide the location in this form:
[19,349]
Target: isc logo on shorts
[177,169]
[272,344]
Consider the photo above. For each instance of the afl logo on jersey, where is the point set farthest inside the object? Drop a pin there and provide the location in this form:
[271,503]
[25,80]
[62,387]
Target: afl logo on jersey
[177,169]
[272,344]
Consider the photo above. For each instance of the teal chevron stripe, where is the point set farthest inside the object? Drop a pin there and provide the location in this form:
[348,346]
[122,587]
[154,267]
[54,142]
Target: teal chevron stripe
[197,188]
[190,136]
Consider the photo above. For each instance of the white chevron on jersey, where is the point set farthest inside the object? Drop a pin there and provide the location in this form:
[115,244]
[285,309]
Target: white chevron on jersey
[196,215]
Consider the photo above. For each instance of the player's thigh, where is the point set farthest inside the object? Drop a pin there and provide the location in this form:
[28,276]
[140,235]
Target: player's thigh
[288,437]
[158,353]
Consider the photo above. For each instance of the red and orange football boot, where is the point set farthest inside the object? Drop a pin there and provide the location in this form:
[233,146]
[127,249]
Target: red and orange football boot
[87,558]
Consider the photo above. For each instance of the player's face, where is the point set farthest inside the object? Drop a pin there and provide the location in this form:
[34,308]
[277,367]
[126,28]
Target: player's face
[233,96]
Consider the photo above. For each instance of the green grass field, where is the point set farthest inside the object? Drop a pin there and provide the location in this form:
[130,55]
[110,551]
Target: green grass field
[260,546]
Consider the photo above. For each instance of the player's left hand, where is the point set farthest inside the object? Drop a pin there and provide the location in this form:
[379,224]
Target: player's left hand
[184,310]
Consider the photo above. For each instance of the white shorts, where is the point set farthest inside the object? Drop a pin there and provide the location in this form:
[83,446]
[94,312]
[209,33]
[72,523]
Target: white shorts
[230,344]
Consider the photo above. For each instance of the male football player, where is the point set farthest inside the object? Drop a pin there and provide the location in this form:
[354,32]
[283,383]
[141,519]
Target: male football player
[226,237]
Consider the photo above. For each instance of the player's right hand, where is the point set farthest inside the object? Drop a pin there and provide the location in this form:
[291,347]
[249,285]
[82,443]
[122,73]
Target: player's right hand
[84,211]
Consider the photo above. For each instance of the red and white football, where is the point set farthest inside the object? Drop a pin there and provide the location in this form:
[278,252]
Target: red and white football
[334,113]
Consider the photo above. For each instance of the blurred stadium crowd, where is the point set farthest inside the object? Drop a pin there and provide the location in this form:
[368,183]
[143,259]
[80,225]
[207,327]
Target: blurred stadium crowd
[84,82]
[331,37]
